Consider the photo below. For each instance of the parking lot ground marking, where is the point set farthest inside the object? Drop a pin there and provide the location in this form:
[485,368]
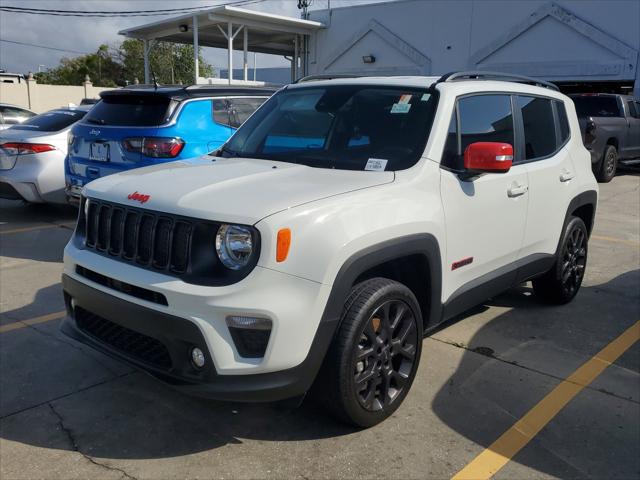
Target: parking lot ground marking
[32,321]
[37,227]
[623,241]
[498,454]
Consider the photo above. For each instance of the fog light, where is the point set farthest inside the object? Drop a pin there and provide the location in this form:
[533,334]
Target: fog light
[197,357]
[250,335]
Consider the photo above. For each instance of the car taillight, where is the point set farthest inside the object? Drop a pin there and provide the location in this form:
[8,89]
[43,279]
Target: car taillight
[19,148]
[157,147]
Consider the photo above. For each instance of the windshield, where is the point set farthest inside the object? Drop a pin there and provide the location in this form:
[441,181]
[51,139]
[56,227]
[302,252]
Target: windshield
[597,106]
[52,121]
[347,127]
[131,111]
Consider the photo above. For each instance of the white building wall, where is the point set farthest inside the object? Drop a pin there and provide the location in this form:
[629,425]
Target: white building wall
[567,40]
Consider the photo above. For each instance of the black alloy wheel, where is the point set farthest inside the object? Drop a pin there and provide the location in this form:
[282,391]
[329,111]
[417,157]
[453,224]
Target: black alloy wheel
[574,261]
[385,355]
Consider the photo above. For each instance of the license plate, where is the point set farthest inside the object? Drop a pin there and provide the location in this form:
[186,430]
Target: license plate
[99,152]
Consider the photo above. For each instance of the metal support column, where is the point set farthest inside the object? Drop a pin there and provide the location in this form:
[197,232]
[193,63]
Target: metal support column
[296,55]
[246,48]
[230,51]
[196,61]
[145,54]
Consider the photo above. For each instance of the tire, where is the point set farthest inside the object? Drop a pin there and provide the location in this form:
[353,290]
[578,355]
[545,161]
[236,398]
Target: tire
[373,358]
[608,165]
[560,284]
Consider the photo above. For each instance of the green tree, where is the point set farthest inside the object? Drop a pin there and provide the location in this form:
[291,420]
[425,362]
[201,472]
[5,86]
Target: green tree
[119,65]
[101,68]
[171,63]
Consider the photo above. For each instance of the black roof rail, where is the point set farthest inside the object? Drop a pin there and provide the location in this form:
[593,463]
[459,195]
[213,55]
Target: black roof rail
[327,76]
[505,77]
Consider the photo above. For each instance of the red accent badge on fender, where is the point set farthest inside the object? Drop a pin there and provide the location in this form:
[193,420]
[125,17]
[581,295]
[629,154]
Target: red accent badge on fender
[139,197]
[461,263]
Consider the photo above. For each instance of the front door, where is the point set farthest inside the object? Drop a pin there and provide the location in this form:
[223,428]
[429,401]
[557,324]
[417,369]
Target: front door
[485,216]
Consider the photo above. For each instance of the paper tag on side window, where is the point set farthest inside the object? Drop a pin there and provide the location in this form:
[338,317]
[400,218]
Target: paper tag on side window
[401,108]
[376,165]
[406,98]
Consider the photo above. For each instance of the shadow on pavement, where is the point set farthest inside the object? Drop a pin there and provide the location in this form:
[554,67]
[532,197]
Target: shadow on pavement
[487,395]
[131,416]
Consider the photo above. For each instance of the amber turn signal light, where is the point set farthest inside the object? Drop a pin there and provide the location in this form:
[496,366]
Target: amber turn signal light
[283,244]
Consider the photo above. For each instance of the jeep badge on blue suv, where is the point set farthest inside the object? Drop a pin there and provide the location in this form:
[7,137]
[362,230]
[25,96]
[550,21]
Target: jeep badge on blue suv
[143,125]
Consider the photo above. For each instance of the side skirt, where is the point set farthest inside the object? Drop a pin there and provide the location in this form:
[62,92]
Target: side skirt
[490,284]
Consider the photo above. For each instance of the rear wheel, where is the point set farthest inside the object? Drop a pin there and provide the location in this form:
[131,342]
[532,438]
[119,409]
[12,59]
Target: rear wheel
[609,164]
[560,284]
[372,362]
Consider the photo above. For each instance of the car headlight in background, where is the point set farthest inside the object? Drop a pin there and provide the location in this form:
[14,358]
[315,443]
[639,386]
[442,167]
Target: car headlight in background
[234,245]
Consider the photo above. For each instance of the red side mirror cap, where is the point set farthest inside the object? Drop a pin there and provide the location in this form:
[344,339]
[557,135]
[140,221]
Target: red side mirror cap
[481,157]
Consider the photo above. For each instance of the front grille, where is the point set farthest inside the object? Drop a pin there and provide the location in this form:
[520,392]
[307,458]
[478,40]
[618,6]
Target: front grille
[146,238]
[146,349]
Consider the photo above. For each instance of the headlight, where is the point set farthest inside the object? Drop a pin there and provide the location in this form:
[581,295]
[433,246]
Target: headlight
[234,245]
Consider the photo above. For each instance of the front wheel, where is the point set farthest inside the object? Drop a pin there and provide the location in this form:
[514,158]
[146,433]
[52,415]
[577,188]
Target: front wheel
[373,359]
[560,284]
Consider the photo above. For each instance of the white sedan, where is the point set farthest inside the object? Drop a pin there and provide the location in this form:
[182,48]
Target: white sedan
[32,156]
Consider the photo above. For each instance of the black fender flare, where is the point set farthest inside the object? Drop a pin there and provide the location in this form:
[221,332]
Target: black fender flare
[423,244]
[588,197]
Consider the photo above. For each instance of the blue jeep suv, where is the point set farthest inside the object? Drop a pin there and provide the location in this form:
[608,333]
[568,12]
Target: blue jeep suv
[142,125]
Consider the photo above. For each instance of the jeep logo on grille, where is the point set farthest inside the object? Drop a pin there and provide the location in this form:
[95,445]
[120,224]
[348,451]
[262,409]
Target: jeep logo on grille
[139,197]
[94,132]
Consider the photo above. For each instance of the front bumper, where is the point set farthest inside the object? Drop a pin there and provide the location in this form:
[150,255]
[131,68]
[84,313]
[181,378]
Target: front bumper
[35,178]
[178,336]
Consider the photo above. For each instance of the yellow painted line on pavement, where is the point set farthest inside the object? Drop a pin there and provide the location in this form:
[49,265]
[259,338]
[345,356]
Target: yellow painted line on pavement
[32,321]
[498,454]
[37,227]
[623,241]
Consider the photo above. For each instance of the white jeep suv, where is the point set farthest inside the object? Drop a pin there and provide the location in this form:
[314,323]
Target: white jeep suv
[342,221]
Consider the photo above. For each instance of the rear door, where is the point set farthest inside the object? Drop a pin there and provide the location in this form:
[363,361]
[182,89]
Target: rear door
[485,216]
[544,138]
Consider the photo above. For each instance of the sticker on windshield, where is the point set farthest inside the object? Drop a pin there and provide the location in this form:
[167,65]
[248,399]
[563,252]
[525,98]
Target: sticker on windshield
[401,108]
[406,98]
[425,97]
[376,165]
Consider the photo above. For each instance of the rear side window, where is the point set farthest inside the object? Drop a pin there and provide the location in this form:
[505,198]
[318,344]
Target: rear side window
[233,112]
[52,121]
[634,109]
[539,127]
[597,106]
[563,123]
[481,118]
[131,111]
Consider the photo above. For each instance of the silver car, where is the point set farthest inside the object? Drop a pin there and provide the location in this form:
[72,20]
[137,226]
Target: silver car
[13,115]
[32,156]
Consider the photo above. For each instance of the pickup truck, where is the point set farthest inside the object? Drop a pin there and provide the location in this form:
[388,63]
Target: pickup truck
[610,126]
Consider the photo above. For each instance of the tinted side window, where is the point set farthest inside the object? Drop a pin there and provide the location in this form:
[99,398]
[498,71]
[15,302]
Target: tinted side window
[563,123]
[539,127]
[634,109]
[221,112]
[241,108]
[451,153]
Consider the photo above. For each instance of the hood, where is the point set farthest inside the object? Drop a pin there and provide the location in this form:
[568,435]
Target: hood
[235,190]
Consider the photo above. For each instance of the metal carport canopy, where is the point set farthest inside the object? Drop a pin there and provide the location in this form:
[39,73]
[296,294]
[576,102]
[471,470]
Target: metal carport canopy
[263,32]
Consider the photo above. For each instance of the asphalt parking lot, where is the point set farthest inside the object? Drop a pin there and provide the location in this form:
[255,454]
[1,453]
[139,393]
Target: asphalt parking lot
[69,412]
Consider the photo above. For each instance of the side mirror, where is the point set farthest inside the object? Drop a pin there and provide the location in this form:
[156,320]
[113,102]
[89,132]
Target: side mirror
[488,157]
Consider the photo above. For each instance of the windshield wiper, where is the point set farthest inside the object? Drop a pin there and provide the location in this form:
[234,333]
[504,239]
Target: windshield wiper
[224,149]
